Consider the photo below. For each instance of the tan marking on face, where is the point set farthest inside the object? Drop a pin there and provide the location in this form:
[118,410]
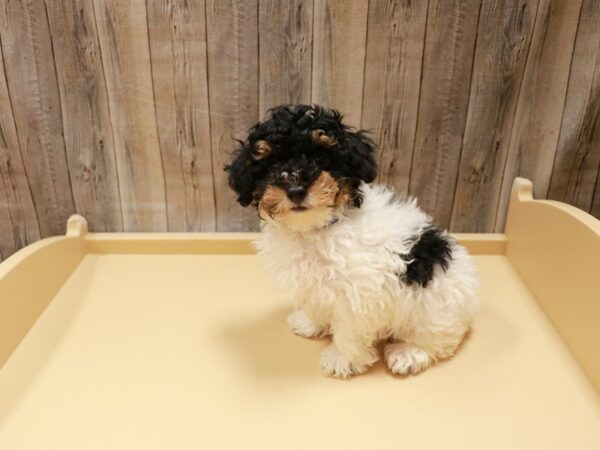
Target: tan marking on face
[323,191]
[262,149]
[321,138]
[344,196]
[275,202]
[323,199]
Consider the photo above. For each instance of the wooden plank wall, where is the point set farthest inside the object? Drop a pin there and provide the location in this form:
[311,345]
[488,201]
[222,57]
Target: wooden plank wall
[125,110]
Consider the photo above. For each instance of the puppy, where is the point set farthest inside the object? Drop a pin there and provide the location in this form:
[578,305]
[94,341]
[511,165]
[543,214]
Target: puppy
[358,263]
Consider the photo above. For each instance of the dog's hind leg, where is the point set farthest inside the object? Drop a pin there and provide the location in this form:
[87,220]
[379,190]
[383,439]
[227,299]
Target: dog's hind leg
[417,352]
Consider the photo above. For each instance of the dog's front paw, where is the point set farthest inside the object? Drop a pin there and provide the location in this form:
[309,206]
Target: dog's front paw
[335,364]
[403,359]
[302,325]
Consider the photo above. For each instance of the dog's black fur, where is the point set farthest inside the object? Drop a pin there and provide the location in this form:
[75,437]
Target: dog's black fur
[288,131]
[432,248]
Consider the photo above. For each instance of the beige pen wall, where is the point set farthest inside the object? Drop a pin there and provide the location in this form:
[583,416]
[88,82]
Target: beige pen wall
[125,111]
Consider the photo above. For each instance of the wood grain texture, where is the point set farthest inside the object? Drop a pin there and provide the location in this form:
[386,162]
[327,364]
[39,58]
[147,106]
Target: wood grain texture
[31,79]
[285,58]
[538,116]
[126,110]
[504,33]
[123,35]
[578,155]
[232,46]
[339,42]
[88,130]
[395,41]
[445,85]
[179,67]
[595,209]
[18,220]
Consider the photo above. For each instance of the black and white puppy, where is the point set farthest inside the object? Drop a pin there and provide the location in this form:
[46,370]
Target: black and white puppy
[358,263]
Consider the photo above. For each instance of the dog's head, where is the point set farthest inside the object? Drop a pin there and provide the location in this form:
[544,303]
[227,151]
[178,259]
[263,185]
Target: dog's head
[302,166]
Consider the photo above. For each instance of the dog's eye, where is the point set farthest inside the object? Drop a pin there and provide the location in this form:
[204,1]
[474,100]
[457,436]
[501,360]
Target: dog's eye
[261,150]
[321,138]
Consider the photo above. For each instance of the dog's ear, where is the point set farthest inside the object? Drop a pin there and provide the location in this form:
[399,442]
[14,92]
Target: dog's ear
[330,131]
[361,159]
[241,176]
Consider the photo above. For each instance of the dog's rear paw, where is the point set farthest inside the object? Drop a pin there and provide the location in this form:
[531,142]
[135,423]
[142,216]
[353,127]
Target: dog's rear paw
[302,325]
[405,359]
[335,364]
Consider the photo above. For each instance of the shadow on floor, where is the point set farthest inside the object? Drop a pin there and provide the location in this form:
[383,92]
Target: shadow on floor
[268,348]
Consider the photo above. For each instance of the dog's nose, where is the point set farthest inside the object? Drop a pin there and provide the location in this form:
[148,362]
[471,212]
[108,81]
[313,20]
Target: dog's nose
[296,194]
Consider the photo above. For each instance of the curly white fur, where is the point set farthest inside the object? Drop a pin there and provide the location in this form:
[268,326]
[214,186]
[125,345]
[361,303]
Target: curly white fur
[346,279]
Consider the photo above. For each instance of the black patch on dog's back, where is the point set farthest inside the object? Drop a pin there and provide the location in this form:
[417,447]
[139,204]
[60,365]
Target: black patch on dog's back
[433,248]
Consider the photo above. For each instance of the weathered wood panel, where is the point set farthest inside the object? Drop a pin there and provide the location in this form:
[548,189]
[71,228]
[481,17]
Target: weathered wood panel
[534,136]
[395,41]
[339,42]
[18,220]
[445,84]
[285,58]
[123,35]
[232,38]
[578,154]
[595,209]
[8,245]
[31,79]
[179,68]
[504,34]
[126,111]
[84,100]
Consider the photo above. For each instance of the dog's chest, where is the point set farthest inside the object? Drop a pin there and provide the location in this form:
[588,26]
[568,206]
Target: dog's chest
[310,259]
[323,264]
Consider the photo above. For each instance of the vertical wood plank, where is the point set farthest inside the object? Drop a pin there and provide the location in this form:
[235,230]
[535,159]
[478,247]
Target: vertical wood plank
[504,35]
[339,43]
[534,136]
[87,128]
[595,209]
[7,243]
[178,52]
[395,40]
[285,33]
[31,79]
[578,155]
[18,221]
[123,35]
[232,47]
[445,84]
